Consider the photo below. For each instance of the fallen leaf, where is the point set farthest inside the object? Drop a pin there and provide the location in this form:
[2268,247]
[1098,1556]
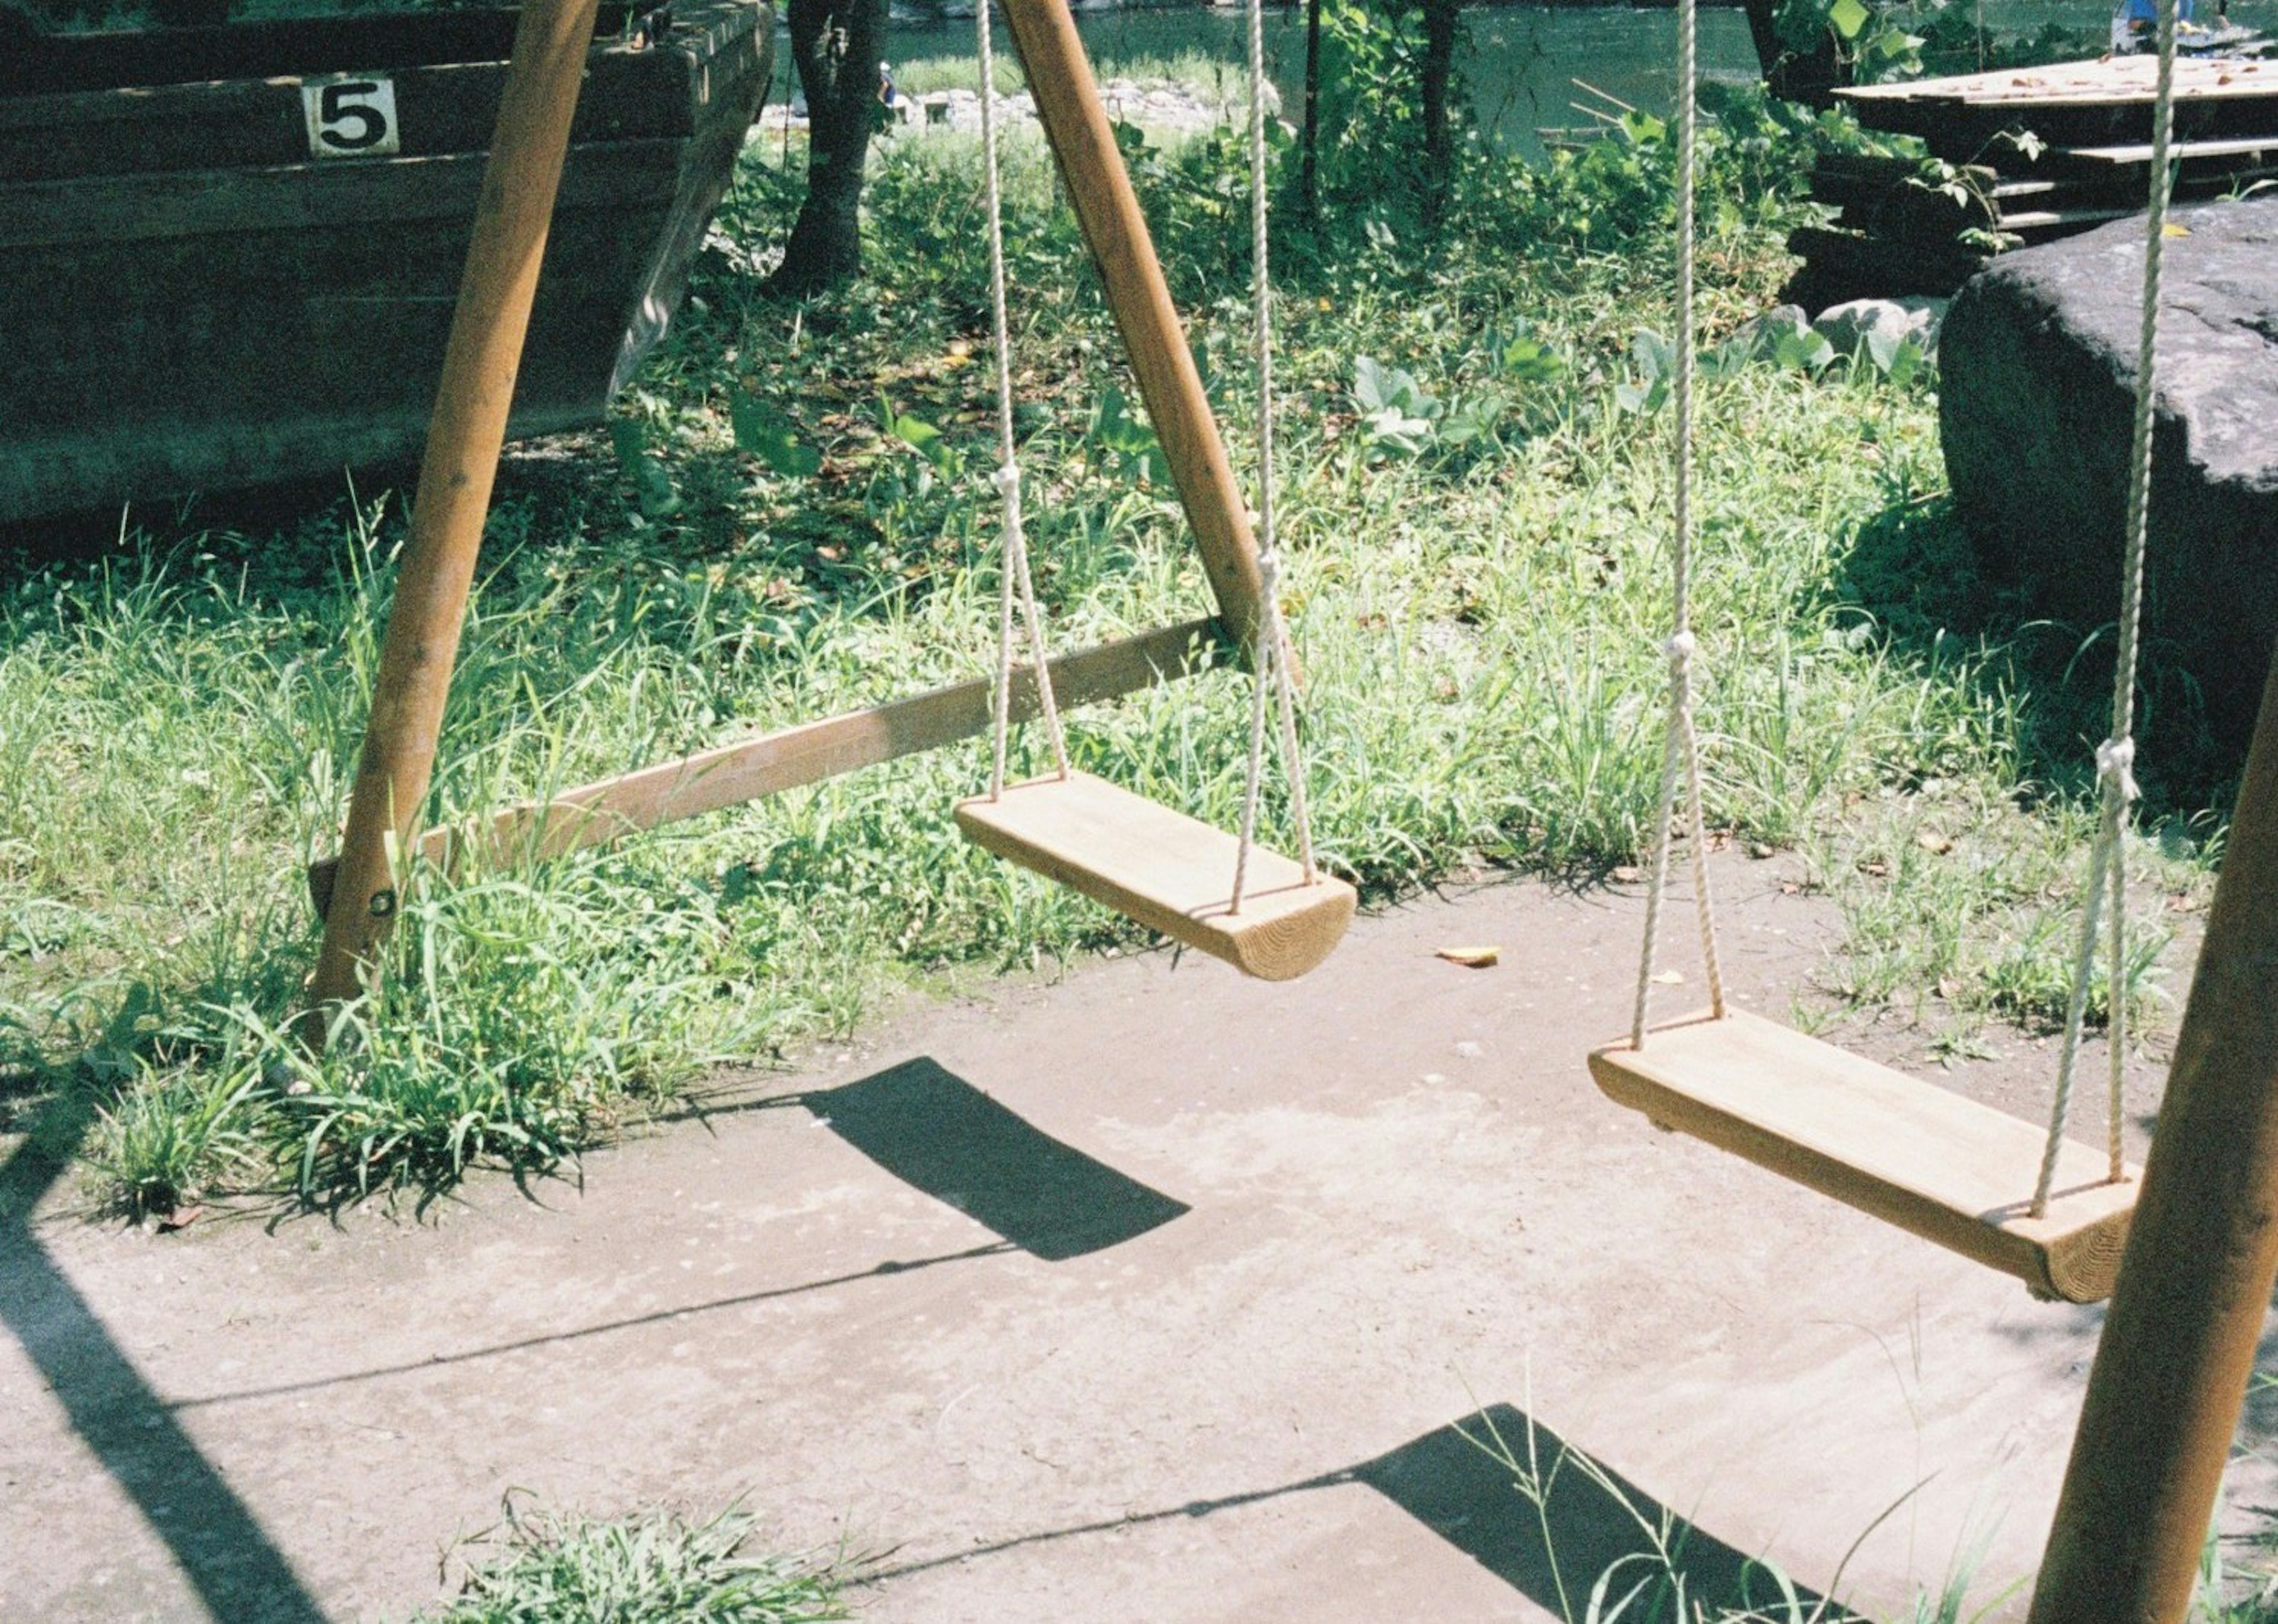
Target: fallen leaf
[181,1218]
[1471,959]
[1949,989]
[1628,874]
[1669,978]
[2173,229]
[1933,843]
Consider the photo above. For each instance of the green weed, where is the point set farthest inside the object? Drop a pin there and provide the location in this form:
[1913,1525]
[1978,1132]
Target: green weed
[803,526]
[651,1568]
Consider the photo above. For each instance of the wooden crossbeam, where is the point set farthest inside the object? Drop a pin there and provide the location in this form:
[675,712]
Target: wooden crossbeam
[596,813]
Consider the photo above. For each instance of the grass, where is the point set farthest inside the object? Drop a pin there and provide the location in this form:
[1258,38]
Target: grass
[651,1568]
[1212,79]
[1662,1582]
[1478,596]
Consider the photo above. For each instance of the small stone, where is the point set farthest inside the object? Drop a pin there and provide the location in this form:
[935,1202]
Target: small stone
[1758,339]
[1847,326]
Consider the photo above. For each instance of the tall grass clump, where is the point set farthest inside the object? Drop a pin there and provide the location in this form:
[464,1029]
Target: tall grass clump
[651,1568]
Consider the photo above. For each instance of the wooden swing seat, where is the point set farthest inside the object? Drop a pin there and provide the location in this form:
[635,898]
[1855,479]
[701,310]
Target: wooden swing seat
[1907,1151]
[1169,872]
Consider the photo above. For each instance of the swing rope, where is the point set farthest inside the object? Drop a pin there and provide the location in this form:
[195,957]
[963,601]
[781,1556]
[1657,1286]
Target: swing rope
[2115,757]
[1681,755]
[1271,656]
[1270,645]
[1015,580]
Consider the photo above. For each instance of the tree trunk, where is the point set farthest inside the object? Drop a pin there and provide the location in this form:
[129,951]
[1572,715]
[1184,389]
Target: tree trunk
[1809,78]
[837,45]
[1441,17]
[1309,172]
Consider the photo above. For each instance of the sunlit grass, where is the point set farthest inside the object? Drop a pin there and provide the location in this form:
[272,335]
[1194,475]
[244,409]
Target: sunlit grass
[651,1567]
[1479,621]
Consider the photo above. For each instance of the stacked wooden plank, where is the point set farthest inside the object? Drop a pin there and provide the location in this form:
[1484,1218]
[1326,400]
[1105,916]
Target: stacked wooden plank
[2031,154]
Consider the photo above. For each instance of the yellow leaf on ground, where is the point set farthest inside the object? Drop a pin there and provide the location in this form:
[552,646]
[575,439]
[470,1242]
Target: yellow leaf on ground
[1471,959]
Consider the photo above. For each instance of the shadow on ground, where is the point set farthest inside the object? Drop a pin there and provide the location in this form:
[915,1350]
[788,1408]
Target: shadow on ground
[216,1540]
[933,1130]
[1511,1495]
[1914,572]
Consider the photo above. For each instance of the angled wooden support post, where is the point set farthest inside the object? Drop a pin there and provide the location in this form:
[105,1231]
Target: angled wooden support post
[2179,1344]
[464,439]
[1076,122]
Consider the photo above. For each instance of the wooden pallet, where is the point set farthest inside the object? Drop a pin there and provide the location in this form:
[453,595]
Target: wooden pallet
[1968,117]
[2109,80]
[1888,234]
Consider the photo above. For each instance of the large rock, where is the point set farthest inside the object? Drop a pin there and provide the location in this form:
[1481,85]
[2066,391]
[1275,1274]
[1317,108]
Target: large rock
[2038,375]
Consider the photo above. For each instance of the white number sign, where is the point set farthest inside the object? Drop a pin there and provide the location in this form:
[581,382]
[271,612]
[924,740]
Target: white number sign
[351,116]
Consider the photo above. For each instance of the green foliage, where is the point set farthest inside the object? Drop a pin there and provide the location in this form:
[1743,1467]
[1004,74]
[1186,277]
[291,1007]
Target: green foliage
[163,1140]
[768,432]
[793,518]
[1369,120]
[651,1568]
[1873,42]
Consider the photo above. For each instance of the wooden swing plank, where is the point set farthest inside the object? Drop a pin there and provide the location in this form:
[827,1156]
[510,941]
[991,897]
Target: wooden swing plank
[1907,1151]
[1169,872]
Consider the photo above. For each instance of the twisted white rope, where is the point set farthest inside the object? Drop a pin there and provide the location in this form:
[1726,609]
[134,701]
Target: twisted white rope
[2115,757]
[1015,581]
[1270,643]
[1682,752]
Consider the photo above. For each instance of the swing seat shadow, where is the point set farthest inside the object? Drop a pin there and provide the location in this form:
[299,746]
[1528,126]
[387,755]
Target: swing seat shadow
[1457,1481]
[1466,1482]
[938,1132]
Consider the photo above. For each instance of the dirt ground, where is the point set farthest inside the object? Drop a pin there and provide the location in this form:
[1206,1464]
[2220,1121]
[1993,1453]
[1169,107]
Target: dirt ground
[1150,1295]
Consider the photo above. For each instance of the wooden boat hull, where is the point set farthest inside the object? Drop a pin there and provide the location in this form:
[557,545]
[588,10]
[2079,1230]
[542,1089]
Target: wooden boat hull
[196,296]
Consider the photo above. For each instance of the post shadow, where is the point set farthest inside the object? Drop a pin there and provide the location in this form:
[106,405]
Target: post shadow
[598,1328]
[216,1540]
[933,1130]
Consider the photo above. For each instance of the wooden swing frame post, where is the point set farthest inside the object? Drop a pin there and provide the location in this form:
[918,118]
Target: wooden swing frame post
[356,892]
[464,437]
[1099,189]
[2179,1344]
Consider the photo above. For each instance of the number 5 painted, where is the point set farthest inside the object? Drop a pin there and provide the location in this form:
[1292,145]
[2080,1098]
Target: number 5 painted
[350,117]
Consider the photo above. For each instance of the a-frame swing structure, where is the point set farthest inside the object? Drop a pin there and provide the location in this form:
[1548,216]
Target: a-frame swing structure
[1151,862]
[2194,1285]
